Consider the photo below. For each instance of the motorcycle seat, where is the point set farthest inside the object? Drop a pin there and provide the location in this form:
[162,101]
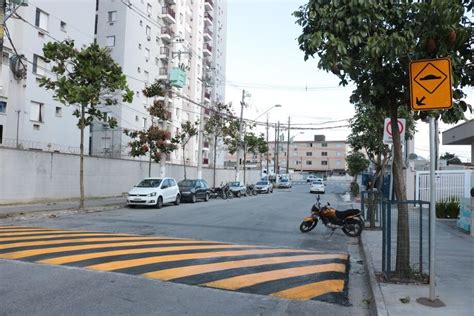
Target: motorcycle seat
[347,213]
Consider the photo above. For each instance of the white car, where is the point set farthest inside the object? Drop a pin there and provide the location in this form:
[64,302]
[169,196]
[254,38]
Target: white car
[154,192]
[311,178]
[317,187]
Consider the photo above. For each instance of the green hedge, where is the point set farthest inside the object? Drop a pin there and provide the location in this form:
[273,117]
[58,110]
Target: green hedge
[448,208]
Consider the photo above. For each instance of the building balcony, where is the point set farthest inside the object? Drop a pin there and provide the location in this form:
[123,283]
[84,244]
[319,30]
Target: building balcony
[205,145]
[170,2]
[207,35]
[163,73]
[166,33]
[208,5]
[207,96]
[164,53]
[168,15]
[205,161]
[207,111]
[207,50]
[208,19]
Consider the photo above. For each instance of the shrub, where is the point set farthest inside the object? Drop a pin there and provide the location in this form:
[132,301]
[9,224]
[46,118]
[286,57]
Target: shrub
[448,208]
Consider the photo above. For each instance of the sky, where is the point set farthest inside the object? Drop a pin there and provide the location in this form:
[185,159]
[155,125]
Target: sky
[263,58]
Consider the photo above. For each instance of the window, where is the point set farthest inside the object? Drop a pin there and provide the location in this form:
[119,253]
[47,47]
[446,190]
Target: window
[308,153]
[149,9]
[1,133]
[338,154]
[309,162]
[59,111]
[39,66]
[144,122]
[136,118]
[338,162]
[324,153]
[3,107]
[112,16]
[110,41]
[297,162]
[148,32]
[36,127]
[147,76]
[41,19]
[36,111]
[147,54]
[324,162]
[324,145]
[63,26]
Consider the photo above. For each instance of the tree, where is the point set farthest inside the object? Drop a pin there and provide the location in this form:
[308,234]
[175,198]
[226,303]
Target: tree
[85,78]
[215,126]
[356,163]
[451,158]
[371,44]
[155,141]
[188,131]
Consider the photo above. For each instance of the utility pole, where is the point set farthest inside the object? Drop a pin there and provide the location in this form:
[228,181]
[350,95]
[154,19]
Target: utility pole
[201,124]
[277,170]
[268,172]
[288,150]
[239,143]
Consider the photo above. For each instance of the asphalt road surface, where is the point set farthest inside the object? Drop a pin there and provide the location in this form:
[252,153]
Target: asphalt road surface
[226,257]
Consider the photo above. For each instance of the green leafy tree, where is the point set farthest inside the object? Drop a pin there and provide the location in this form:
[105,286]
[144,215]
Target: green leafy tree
[371,44]
[86,78]
[215,127]
[154,141]
[451,159]
[188,131]
[356,163]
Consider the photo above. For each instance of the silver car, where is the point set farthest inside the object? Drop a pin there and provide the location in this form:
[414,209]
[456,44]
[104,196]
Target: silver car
[264,186]
[284,183]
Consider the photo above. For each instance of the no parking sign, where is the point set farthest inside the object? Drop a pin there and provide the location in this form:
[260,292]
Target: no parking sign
[387,130]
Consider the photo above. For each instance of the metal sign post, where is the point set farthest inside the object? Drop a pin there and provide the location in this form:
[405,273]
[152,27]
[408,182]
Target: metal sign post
[432,208]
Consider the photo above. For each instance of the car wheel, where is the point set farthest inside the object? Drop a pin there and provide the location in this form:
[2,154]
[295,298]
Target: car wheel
[238,194]
[193,198]
[159,202]
[206,198]
[178,200]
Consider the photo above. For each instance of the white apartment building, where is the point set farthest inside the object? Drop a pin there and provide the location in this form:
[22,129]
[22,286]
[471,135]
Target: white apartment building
[29,116]
[149,38]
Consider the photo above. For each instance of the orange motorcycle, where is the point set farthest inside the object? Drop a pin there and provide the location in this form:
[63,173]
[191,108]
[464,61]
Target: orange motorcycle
[350,221]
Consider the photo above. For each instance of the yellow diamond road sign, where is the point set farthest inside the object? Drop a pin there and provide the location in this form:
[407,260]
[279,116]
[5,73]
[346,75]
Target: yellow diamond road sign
[430,84]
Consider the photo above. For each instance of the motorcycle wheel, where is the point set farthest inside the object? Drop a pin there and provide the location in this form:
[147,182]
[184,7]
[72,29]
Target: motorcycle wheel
[307,226]
[352,228]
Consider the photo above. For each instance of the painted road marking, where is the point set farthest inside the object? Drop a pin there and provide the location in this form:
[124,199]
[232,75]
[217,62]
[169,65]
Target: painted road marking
[175,273]
[308,291]
[246,280]
[295,274]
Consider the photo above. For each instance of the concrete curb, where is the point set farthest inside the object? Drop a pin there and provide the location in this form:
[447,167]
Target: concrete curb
[378,305]
[102,208]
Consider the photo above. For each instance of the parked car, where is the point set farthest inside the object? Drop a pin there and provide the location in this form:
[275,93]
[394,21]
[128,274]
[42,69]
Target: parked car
[284,183]
[311,178]
[192,190]
[238,188]
[154,192]
[264,186]
[317,187]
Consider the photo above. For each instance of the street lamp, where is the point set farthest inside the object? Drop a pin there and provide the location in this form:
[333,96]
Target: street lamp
[266,111]
[290,140]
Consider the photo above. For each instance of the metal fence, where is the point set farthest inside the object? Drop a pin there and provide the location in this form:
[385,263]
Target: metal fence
[418,232]
[448,183]
[371,202]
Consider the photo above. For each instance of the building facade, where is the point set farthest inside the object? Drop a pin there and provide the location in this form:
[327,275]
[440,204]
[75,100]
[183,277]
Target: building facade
[29,116]
[152,40]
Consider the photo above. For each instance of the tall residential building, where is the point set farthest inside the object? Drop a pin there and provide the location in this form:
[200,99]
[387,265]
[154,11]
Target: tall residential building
[155,40]
[29,116]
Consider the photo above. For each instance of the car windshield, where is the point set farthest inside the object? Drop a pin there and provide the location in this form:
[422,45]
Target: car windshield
[284,180]
[187,183]
[262,182]
[235,184]
[149,183]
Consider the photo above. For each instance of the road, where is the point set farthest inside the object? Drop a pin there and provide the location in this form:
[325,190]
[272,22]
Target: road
[222,257]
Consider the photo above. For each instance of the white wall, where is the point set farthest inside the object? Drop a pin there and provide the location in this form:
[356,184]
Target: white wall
[27,176]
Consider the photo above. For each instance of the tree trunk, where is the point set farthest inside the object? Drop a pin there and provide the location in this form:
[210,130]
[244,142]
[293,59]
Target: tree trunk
[215,163]
[402,265]
[184,161]
[81,160]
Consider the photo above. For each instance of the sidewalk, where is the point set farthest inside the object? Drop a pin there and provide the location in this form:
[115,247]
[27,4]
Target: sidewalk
[91,204]
[454,275]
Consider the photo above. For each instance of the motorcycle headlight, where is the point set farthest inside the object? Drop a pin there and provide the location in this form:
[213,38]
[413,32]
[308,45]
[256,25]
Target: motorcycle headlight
[152,194]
